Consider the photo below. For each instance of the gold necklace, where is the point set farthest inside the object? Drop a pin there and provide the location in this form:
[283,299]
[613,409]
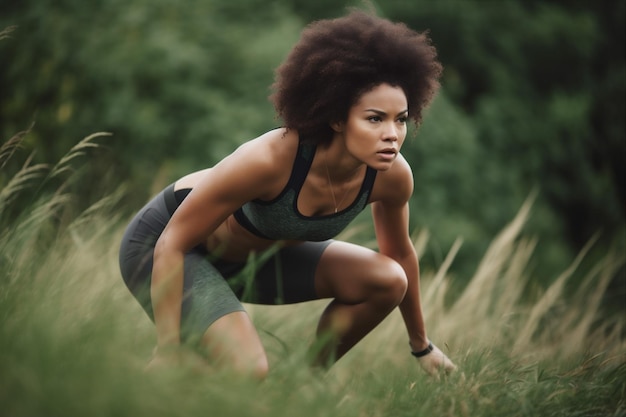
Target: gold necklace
[332,191]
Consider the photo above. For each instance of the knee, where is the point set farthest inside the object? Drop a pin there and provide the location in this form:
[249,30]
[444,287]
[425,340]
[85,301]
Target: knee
[254,367]
[399,282]
[250,366]
[393,281]
[260,369]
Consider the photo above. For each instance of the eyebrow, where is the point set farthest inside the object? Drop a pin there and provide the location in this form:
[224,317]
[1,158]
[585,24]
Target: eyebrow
[382,113]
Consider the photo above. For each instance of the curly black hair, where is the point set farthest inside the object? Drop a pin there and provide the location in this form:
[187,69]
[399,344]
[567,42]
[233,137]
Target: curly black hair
[338,60]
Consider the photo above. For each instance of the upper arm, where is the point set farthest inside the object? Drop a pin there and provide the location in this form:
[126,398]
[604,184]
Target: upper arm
[243,176]
[390,211]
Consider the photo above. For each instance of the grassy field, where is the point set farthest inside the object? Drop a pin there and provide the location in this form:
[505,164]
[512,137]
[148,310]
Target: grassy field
[73,342]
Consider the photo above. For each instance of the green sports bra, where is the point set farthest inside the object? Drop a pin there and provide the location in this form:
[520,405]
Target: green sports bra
[279,219]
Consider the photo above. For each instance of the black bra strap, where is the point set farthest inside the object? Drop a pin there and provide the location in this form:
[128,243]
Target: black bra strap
[170,199]
[368,182]
[301,166]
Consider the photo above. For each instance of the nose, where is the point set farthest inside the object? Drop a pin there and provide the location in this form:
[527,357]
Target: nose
[391,132]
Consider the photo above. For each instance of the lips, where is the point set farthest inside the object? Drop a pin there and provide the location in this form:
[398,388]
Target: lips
[388,153]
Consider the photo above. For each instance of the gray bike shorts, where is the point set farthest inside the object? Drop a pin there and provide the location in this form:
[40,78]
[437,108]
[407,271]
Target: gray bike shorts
[214,287]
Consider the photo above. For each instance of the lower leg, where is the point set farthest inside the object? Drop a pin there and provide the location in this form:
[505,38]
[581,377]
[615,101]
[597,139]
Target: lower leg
[233,342]
[342,326]
[366,286]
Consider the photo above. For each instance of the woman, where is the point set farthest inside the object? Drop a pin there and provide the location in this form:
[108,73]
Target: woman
[345,94]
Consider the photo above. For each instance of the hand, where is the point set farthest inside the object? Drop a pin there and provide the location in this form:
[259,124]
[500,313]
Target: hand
[159,362]
[175,358]
[435,362]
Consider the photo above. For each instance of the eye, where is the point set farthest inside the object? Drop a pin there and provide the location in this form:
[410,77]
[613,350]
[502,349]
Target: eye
[402,119]
[374,119]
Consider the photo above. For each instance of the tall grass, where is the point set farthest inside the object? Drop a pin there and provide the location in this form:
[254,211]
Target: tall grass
[73,342]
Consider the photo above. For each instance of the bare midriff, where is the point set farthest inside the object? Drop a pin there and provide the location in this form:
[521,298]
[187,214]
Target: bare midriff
[234,243]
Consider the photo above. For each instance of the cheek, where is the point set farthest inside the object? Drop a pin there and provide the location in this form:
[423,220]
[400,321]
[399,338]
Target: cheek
[359,145]
[403,133]
[357,134]
[358,126]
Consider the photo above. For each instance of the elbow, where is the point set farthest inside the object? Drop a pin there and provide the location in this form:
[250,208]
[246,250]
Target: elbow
[169,243]
[161,246]
[166,257]
[161,249]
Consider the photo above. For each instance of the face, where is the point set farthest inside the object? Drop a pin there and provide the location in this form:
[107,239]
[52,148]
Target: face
[376,126]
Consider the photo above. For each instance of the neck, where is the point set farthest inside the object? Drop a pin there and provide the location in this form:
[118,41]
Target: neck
[337,160]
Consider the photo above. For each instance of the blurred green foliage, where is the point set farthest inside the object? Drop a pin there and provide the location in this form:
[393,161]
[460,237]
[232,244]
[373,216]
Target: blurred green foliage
[533,99]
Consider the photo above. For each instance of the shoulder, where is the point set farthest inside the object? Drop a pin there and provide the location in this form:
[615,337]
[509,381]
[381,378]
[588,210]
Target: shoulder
[269,153]
[395,185]
[269,149]
[262,164]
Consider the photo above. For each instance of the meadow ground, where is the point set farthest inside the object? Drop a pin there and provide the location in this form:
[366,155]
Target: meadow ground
[73,342]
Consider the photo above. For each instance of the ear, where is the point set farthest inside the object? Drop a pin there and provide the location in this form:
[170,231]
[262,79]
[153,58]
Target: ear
[337,126]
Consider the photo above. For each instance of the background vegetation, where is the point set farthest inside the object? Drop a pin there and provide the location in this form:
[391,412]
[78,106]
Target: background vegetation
[533,104]
[533,100]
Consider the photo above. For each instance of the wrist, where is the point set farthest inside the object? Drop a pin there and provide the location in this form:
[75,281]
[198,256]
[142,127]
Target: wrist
[166,349]
[419,344]
[168,338]
[420,353]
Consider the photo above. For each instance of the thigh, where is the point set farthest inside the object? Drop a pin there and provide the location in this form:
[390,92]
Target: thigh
[137,249]
[289,275]
[349,272]
[206,296]
[214,318]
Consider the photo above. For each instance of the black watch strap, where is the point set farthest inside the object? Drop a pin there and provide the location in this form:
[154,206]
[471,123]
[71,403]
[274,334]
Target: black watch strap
[424,352]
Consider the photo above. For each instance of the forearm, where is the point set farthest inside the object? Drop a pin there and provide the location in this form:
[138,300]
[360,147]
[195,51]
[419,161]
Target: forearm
[411,306]
[166,293]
